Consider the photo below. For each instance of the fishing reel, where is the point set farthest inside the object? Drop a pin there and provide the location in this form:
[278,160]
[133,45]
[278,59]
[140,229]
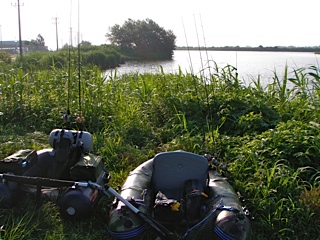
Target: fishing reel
[78,120]
[214,162]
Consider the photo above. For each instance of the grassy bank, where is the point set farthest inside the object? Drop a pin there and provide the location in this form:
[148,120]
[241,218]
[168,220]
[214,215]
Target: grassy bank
[269,137]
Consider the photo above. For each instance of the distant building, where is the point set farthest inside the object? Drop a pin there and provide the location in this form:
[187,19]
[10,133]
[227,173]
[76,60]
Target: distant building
[12,47]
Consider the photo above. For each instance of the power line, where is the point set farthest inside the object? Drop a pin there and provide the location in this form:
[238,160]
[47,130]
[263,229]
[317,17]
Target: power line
[0,37]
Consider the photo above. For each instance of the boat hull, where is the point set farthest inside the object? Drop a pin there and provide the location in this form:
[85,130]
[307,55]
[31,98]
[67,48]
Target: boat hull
[222,215]
[74,202]
[123,223]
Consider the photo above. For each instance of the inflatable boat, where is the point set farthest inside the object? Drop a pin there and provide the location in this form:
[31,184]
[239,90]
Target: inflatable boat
[44,173]
[180,190]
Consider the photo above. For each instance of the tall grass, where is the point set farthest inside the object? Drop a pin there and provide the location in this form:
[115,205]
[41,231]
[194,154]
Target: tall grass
[268,136]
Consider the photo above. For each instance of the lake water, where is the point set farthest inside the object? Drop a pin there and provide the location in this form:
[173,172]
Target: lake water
[249,64]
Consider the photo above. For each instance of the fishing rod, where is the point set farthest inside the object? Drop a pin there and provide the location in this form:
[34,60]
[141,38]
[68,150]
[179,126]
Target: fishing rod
[106,190]
[205,45]
[195,24]
[193,77]
[80,118]
[188,48]
[205,83]
[66,116]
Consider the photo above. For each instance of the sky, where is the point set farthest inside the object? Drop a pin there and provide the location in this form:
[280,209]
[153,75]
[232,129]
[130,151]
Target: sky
[194,22]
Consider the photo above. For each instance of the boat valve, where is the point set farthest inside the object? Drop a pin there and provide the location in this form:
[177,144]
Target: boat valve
[241,216]
[208,157]
[224,167]
[212,160]
[215,162]
[247,213]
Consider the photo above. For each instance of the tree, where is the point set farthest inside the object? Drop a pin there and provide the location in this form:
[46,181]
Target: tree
[143,39]
[37,44]
[39,41]
[85,44]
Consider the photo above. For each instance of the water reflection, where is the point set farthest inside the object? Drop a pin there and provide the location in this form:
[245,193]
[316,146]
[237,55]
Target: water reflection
[249,65]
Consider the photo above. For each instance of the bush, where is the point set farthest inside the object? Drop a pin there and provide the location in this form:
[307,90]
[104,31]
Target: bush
[5,57]
[104,57]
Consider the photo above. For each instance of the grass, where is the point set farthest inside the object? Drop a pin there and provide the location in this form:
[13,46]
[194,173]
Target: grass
[269,137]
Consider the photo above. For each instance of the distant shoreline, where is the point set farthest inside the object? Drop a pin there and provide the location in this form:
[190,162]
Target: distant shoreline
[257,49]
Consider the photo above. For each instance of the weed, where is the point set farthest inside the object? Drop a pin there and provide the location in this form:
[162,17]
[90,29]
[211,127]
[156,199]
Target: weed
[269,137]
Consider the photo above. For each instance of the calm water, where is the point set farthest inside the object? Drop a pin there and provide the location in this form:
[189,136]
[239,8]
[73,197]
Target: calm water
[249,64]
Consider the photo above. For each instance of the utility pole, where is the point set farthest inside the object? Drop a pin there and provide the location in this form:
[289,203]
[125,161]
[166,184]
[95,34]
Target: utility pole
[20,41]
[0,38]
[56,23]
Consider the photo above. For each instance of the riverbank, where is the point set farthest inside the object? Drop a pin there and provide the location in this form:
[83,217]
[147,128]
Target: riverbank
[269,139]
[315,49]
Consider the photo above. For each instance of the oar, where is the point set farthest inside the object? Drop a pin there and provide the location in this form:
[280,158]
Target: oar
[163,231]
[39,181]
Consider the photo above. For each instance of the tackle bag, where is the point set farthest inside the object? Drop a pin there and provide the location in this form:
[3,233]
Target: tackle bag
[19,162]
[88,168]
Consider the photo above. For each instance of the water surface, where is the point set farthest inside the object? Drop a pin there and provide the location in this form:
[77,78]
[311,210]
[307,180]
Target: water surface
[249,64]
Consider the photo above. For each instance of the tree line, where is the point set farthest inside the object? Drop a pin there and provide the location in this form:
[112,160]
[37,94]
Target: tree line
[138,40]
[259,48]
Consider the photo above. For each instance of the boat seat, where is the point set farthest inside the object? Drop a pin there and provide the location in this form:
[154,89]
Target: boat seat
[171,171]
[67,151]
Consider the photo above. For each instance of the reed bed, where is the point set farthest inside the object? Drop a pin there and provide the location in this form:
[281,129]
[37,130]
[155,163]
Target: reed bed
[268,136]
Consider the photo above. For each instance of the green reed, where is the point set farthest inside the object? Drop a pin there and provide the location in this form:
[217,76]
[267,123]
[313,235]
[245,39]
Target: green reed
[269,136]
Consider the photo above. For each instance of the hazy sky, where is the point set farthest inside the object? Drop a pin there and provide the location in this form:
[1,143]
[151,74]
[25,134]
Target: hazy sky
[208,22]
